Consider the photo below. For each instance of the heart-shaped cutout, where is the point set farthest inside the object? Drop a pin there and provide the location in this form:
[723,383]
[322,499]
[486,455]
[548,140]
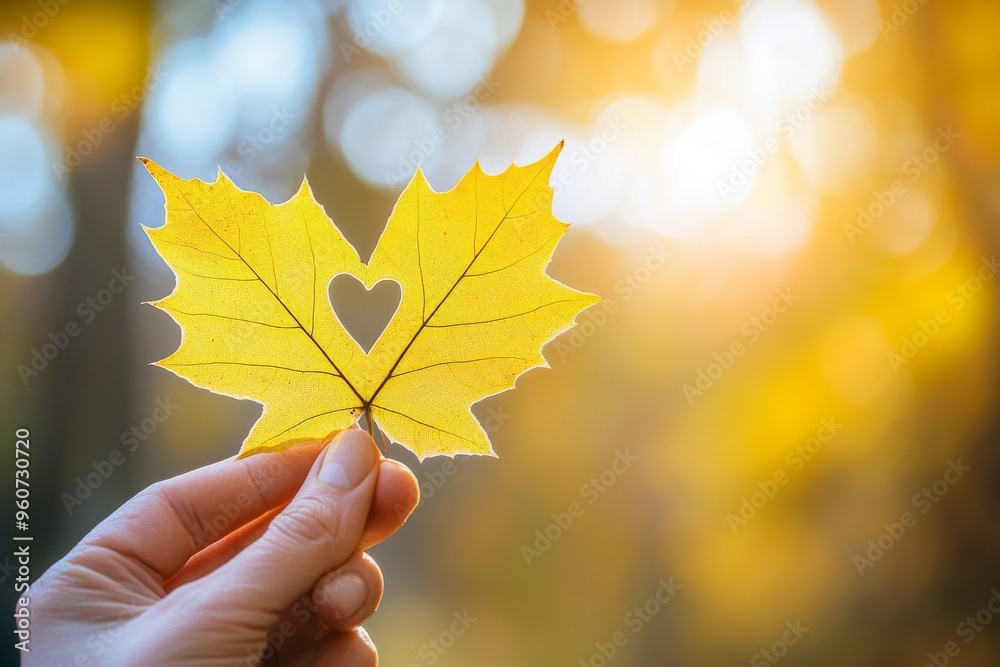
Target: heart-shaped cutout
[364,313]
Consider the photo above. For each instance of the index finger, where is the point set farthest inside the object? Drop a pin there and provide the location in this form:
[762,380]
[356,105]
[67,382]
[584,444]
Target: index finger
[170,521]
[396,496]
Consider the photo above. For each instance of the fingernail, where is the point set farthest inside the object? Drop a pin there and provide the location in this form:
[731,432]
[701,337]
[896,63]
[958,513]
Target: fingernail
[348,459]
[346,593]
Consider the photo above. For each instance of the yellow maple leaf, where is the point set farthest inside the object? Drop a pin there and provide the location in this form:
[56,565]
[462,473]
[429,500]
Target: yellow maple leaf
[475,310]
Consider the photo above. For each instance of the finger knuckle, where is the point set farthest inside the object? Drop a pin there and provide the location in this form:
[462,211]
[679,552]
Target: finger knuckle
[308,519]
[198,527]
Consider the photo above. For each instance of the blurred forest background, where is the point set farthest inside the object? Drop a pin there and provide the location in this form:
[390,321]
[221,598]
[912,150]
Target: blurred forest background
[792,207]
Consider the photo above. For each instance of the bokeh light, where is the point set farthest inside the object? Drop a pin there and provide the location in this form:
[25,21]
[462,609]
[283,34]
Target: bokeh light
[36,223]
[24,172]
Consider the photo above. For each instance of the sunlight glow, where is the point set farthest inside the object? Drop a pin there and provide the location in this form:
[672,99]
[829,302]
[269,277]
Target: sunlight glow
[622,20]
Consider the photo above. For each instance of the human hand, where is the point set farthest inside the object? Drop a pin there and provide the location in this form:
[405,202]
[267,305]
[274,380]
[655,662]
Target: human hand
[223,567]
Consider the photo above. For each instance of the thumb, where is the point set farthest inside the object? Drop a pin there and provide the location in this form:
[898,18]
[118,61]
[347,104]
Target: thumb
[315,533]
